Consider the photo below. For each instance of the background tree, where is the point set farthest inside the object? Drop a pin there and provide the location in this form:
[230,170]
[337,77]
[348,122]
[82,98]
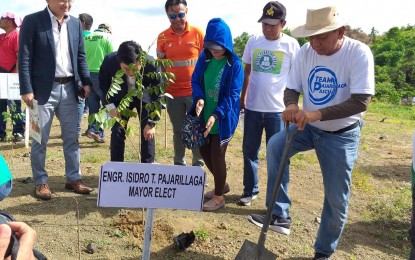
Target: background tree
[240,42]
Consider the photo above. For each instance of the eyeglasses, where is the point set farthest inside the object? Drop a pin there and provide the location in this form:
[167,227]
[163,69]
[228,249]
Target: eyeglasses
[174,16]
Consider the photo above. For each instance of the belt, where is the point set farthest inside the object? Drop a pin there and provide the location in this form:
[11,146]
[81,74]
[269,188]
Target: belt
[347,128]
[63,80]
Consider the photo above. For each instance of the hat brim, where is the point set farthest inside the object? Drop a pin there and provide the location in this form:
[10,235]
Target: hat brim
[269,21]
[212,46]
[302,31]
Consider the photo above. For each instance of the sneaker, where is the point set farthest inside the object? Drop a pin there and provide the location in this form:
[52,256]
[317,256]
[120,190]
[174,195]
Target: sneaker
[320,256]
[94,136]
[43,192]
[213,205]
[246,200]
[209,195]
[278,224]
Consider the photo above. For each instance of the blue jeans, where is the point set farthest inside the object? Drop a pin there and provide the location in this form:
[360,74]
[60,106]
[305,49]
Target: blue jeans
[5,189]
[336,154]
[94,102]
[254,123]
[15,108]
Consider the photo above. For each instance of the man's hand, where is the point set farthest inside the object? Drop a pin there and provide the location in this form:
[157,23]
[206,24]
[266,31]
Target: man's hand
[288,115]
[300,117]
[114,113]
[209,125]
[87,90]
[199,106]
[149,132]
[26,236]
[28,99]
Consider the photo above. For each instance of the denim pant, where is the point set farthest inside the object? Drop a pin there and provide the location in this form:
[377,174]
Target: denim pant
[5,189]
[336,154]
[94,102]
[254,123]
[177,109]
[15,108]
[117,144]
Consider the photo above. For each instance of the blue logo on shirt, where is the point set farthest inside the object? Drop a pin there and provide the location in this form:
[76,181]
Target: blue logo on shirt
[323,85]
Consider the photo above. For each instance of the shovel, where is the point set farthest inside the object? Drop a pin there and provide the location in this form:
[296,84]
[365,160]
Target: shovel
[250,250]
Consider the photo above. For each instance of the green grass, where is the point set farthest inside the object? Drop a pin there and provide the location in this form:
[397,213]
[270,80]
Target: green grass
[201,234]
[392,111]
[362,181]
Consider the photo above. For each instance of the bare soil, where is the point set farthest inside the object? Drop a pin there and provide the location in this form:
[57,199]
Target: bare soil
[69,222]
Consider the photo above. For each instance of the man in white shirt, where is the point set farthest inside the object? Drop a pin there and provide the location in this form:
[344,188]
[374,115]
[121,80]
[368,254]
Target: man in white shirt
[336,76]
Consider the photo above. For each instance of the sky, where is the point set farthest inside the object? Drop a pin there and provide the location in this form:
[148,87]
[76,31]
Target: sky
[142,21]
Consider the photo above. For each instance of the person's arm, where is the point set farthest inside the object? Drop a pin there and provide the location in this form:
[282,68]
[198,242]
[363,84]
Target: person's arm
[235,87]
[357,103]
[247,75]
[197,77]
[26,236]
[83,70]
[26,36]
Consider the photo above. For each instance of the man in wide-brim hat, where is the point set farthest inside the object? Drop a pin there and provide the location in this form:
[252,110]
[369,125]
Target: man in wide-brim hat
[336,75]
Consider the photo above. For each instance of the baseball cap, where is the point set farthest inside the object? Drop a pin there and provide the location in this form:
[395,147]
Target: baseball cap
[11,16]
[105,27]
[272,13]
[213,46]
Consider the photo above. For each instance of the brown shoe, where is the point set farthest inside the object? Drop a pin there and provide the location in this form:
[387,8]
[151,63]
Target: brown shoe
[213,205]
[78,187]
[209,194]
[94,136]
[43,192]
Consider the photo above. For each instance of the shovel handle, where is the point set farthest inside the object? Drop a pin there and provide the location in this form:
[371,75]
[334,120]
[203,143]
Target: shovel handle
[288,139]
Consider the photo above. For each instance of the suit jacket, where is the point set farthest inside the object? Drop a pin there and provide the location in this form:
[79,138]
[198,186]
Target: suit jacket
[37,64]
[108,69]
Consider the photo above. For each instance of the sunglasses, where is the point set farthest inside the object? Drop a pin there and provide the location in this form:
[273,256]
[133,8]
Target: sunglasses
[174,16]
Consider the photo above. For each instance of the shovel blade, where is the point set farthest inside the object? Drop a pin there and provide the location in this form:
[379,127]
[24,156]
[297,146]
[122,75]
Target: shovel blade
[249,251]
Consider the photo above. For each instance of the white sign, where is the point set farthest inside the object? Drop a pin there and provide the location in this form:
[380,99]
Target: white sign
[3,86]
[143,185]
[9,86]
[34,119]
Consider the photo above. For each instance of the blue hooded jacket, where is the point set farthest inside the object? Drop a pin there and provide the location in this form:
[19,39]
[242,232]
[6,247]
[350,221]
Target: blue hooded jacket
[227,110]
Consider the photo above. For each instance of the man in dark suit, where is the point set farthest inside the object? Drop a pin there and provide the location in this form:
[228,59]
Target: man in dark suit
[51,66]
[128,53]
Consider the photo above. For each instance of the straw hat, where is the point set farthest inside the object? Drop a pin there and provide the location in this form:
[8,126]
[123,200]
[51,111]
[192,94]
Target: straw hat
[319,21]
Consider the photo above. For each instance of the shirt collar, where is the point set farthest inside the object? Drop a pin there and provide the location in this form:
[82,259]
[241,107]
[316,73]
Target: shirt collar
[53,17]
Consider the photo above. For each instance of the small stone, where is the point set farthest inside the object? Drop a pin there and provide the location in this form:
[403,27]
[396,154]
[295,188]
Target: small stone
[91,248]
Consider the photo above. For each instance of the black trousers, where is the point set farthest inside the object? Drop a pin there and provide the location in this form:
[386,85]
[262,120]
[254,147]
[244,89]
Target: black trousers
[214,157]
[117,145]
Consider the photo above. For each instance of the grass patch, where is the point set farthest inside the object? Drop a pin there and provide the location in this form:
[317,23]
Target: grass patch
[362,181]
[392,111]
[396,207]
[202,234]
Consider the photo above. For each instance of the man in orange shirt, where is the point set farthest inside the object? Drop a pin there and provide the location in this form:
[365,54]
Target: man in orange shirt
[181,43]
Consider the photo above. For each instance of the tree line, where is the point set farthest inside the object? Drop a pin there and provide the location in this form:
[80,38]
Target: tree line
[394,55]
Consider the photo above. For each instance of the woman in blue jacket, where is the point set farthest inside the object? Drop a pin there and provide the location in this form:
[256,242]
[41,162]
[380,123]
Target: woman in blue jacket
[217,82]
